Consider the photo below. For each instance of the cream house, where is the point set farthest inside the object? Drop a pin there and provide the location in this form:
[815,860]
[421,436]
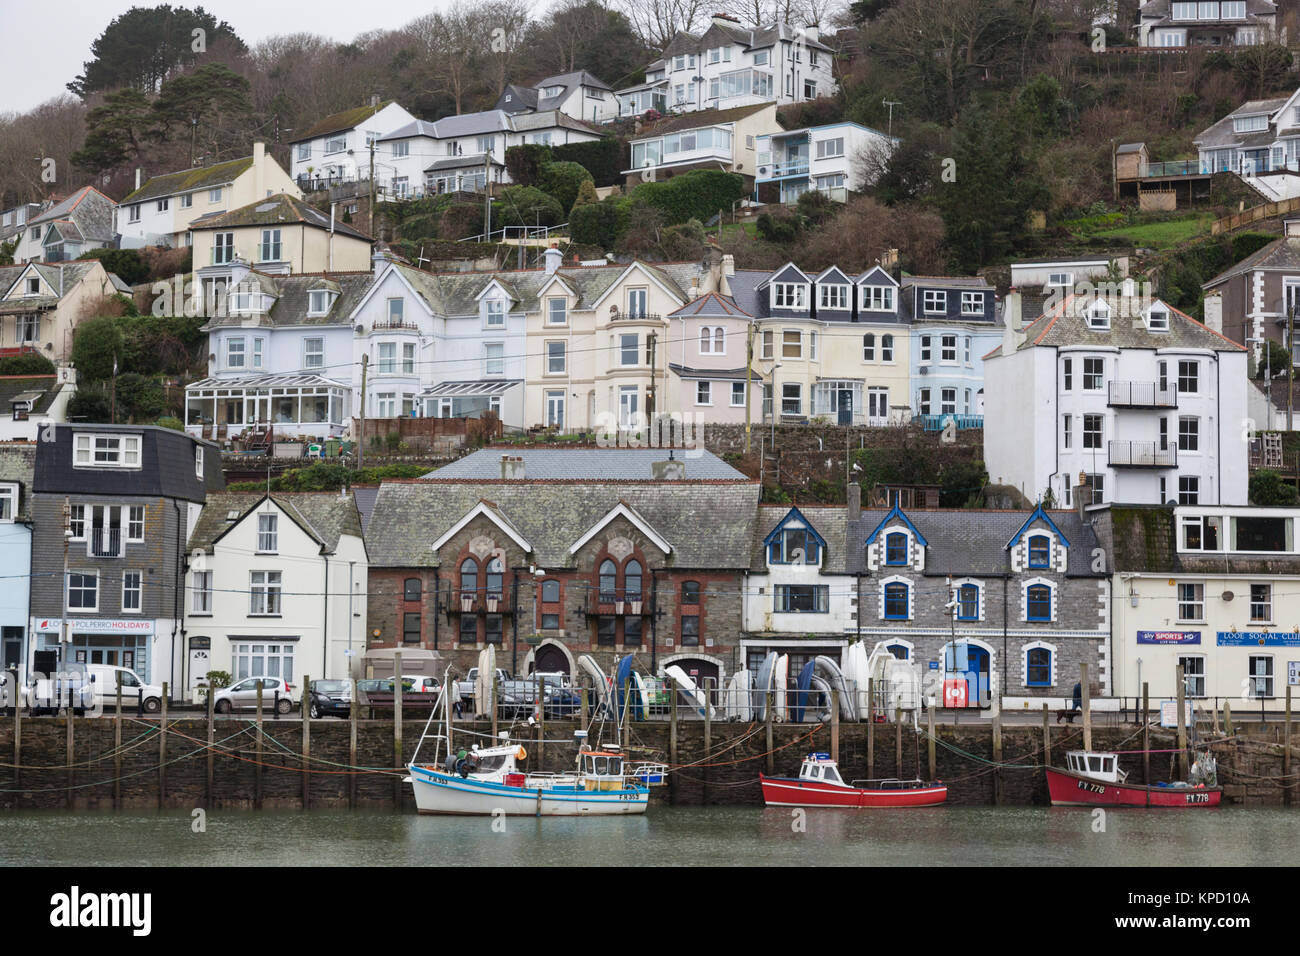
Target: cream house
[41,304]
[161,211]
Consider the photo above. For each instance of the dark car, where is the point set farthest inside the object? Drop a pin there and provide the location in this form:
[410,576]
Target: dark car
[331,698]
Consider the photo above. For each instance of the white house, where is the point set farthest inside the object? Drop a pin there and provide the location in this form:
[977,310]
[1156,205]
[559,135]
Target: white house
[1145,401]
[732,65]
[835,159]
[578,94]
[713,139]
[81,222]
[28,403]
[278,586]
[161,211]
[1206,23]
[338,147]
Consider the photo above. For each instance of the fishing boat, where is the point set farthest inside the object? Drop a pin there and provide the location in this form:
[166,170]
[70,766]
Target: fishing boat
[483,781]
[1094,779]
[819,784]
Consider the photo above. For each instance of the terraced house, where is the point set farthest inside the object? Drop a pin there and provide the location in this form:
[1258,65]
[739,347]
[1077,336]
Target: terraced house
[41,304]
[553,553]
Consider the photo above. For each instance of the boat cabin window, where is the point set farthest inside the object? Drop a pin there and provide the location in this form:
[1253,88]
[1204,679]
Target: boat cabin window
[605,766]
[1074,762]
[492,763]
[1094,764]
[829,773]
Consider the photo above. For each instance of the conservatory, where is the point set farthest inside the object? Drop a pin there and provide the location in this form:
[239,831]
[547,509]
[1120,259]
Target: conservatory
[293,405]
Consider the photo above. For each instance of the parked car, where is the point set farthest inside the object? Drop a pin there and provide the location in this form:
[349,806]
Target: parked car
[135,692]
[467,685]
[242,695]
[421,683]
[330,697]
[68,686]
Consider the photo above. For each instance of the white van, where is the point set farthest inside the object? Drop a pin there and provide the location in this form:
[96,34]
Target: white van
[103,680]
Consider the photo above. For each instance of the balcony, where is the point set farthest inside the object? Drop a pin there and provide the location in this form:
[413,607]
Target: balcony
[1142,395]
[394,325]
[105,543]
[1141,454]
[636,317]
[784,169]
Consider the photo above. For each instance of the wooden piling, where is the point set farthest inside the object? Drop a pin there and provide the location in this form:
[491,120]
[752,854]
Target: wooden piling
[929,719]
[898,742]
[493,703]
[770,758]
[397,728]
[708,740]
[117,747]
[1087,705]
[353,708]
[18,747]
[835,723]
[1182,723]
[1146,737]
[162,747]
[72,747]
[1286,752]
[997,757]
[211,756]
[1047,736]
[257,767]
[1227,717]
[306,742]
[871,727]
[672,742]
[541,723]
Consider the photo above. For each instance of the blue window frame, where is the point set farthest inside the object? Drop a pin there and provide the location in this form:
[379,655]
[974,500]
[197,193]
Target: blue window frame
[896,548]
[896,602]
[968,602]
[901,651]
[1038,667]
[1038,603]
[786,546]
[1040,551]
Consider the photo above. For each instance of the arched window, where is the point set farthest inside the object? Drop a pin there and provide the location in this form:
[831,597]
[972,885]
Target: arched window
[411,589]
[632,581]
[896,548]
[469,575]
[869,347]
[1038,602]
[1038,667]
[1040,551]
[901,651]
[608,582]
[896,601]
[717,341]
[493,574]
[706,339]
[968,602]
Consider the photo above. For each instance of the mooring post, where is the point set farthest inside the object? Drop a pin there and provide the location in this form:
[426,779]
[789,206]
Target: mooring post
[162,746]
[397,728]
[708,740]
[117,747]
[257,767]
[770,759]
[1047,737]
[582,698]
[71,743]
[1087,706]
[305,707]
[541,723]
[1182,724]
[1286,751]
[997,757]
[18,745]
[1227,716]
[898,741]
[352,747]
[1146,738]
[871,727]
[493,703]
[672,742]
[929,719]
[835,723]
[211,741]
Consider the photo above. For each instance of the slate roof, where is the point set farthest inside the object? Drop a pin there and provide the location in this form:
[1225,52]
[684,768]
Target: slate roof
[339,122]
[18,463]
[365,496]
[708,524]
[973,542]
[748,295]
[600,464]
[1143,538]
[45,388]
[1067,325]
[88,210]
[1280,255]
[829,521]
[1221,134]
[188,180]
[293,294]
[325,516]
[751,39]
[699,119]
[710,306]
[1159,10]
[64,275]
[487,122]
[522,98]
[277,210]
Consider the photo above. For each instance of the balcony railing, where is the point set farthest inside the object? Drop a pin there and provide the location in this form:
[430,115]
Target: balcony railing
[937,423]
[1142,395]
[636,317]
[388,325]
[1185,167]
[1141,454]
[478,602]
[105,543]
[796,167]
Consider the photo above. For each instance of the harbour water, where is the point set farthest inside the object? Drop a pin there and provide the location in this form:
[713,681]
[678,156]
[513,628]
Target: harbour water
[682,836]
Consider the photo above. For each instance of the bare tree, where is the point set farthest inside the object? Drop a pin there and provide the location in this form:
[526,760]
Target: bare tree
[657,21]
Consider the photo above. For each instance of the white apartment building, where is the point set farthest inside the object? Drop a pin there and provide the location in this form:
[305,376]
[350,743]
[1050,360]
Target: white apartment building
[1145,401]
[337,148]
[732,65]
[578,94]
[713,139]
[835,159]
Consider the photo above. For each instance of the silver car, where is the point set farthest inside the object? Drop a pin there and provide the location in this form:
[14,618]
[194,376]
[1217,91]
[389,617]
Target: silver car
[242,695]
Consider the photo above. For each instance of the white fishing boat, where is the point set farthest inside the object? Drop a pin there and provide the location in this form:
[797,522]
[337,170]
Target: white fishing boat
[482,781]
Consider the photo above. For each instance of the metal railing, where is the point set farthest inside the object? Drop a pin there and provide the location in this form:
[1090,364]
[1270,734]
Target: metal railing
[789,168]
[506,233]
[1141,454]
[387,325]
[1185,167]
[1143,395]
[937,423]
[105,543]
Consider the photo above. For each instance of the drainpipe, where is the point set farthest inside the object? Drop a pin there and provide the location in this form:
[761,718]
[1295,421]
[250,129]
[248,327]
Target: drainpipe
[1005,610]
[325,624]
[654,618]
[436,601]
[182,562]
[514,621]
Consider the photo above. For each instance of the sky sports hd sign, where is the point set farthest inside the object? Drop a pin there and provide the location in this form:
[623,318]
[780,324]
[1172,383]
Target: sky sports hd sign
[1169,637]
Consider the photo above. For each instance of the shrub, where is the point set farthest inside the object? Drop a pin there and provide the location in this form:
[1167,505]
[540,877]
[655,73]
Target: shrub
[586,194]
[562,181]
[461,220]
[599,157]
[684,242]
[526,206]
[95,343]
[172,422]
[525,163]
[29,363]
[139,397]
[126,264]
[1268,488]
[699,194]
[596,224]
[90,404]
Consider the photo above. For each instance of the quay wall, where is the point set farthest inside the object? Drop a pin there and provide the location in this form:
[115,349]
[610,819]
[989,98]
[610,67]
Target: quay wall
[723,772]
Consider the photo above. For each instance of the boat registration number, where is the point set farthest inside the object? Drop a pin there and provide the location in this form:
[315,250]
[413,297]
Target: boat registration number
[1198,798]
[1091,787]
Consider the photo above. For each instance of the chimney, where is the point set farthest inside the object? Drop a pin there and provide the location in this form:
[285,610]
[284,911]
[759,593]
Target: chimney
[728,265]
[553,259]
[137,177]
[374,99]
[1291,228]
[812,32]
[855,503]
[1083,495]
[512,468]
[1214,311]
[674,469]
[378,260]
[259,169]
[722,20]
[1011,334]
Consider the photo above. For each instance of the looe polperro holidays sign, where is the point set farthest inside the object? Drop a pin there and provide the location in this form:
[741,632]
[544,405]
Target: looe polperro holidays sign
[95,625]
[1258,639]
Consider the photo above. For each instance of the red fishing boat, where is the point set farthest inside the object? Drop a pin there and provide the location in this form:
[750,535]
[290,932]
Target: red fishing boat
[819,784]
[1095,780]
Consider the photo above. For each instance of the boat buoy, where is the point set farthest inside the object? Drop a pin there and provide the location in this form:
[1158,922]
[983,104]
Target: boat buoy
[521,754]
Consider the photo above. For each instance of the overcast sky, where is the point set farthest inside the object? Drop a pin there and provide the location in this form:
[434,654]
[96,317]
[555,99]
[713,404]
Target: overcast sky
[59,32]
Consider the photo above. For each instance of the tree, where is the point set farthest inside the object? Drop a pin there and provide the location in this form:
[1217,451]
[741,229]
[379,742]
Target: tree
[586,194]
[96,344]
[563,180]
[587,35]
[199,98]
[142,47]
[526,206]
[126,264]
[117,132]
[657,21]
[1268,488]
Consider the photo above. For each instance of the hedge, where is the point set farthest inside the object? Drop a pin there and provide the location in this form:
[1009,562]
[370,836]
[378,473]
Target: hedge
[524,163]
[599,157]
[695,195]
[599,223]
[562,181]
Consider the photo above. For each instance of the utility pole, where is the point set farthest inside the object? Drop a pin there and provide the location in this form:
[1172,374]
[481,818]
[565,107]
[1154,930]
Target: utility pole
[487,196]
[361,437]
[891,104]
[749,380]
[64,628]
[650,397]
[372,188]
[1290,367]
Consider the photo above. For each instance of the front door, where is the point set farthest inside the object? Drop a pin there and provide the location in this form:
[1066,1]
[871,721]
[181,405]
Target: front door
[198,669]
[844,400]
[550,660]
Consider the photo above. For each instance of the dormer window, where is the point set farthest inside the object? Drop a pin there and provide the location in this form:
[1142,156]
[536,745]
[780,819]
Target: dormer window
[1099,315]
[789,295]
[794,546]
[33,285]
[934,301]
[1040,551]
[8,501]
[105,451]
[832,297]
[878,298]
[319,301]
[1157,319]
[896,548]
[495,314]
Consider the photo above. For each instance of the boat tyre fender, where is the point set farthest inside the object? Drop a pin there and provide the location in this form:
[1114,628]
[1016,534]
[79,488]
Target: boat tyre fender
[462,767]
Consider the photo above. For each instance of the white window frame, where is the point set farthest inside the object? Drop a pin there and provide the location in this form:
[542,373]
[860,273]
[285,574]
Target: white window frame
[790,295]
[737,394]
[268,533]
[934,302]
[313,357]
[972,303]
[833,296]
[1266,603]
[91,574]
[138,591]
[704,393]
[87,446]
[8,502]
[877,298]
[1195,601]
[494,364]
[556,351]
[265,593]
